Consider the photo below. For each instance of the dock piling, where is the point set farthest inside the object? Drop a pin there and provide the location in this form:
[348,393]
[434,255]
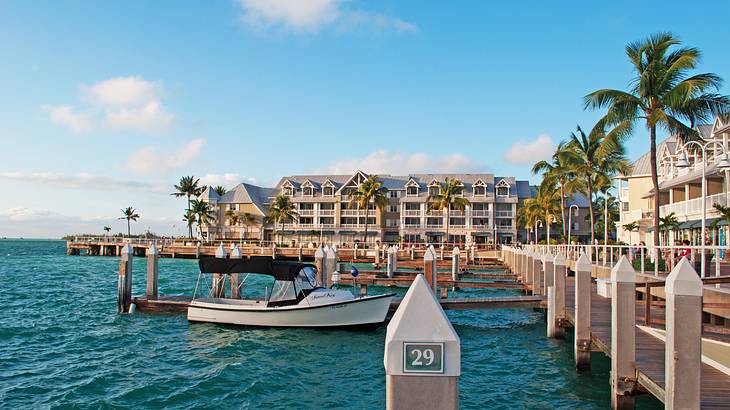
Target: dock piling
[537,275]
[124,281]
[236,291]
[583,286]
[683,350]
[153,270]
[558,301]
[547,270]
[330,256]
[219,286]
[623,334]
[422,355]
[429,269]
[455,256]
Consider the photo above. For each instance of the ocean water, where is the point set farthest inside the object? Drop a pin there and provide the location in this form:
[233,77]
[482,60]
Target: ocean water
[62,345]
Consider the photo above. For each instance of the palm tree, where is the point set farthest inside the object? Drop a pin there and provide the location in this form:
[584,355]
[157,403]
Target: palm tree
[220,190]
[527,215]
[667,223]
[662,95]
[449,197]
[369,191]
[189,219]
[248,220]
[559,171]
[724,212]
[599,209]
[107,229]
[130,215]
[204,213]
[282,210]
[596,157]
[188,186]
[631,227]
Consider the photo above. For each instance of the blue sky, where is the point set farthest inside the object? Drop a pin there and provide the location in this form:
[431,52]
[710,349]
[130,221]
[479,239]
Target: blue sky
[107,104]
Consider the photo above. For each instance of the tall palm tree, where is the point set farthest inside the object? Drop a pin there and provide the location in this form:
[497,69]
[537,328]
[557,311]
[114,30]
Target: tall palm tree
[449,197]
[599,210]
[662,94]
[596,157]
[631,227]
[559,171]
[668,222]
[189,219]
[188,186]
[527,215]
[369,191]
[130,215]
[220,190]
[282,210]
[107,229]
[248,220]
[204,213]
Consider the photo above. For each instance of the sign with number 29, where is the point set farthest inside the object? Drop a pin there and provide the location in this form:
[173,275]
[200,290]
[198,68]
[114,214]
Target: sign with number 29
[423,357]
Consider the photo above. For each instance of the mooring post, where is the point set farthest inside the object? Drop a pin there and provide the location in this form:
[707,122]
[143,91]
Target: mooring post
[517,261]
[319,264]
[455,256]
[395,258]
[390,271]
[236,290]
[529,267]
[623,334]
[219,285]
[330,256]
[273,250]
[537,275]
[153,257]
[354,251]
[124,282]
[413,252]
[429,268]
[299,253]
[683,349]
[422,353]
[547,270]
[377,255]
[558,305]
[473,254]
[583,291]
[441,251]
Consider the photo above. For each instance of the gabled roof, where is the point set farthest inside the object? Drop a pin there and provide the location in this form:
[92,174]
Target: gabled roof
[412,182]
[208,194]
[247,193]
[503,183]
[357,175]
[308,182]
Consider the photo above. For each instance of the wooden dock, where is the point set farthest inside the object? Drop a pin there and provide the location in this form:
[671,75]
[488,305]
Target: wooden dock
[715,385]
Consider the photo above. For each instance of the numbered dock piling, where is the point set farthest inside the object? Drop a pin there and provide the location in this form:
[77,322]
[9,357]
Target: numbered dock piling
[124,280]
[236,290]
[582,347]
[153,270]
[623,334]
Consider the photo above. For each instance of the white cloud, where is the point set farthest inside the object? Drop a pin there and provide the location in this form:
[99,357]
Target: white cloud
[396,163]
[227,180]
[124,91]
[151,160]
[67,116]
[529,152]
[83,181]
[117,104]
[311,15]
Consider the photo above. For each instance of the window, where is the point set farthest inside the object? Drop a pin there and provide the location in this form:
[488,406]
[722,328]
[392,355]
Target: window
[433,191]
[576,226]
[480,191]
[412,191]
[308,191]
[392,223]
[392,208]
[502,191]
[394,194]
[288,191]
[328,191]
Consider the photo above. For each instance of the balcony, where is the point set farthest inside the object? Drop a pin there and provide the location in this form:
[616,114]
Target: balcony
[632,216]
[326,225]
[306,212]
[693,206]
[326,212]
[434,213]
[503,214]
[480,213]
[412,213]
[356,212]
[434,226]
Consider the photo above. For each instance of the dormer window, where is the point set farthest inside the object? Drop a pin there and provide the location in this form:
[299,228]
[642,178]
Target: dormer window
[328,191]
[503,188]
[308,191]
[412,191]
[479,188]
[433,190]
[288,191]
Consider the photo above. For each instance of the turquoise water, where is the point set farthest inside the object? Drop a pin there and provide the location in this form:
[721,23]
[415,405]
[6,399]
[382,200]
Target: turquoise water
[62,344]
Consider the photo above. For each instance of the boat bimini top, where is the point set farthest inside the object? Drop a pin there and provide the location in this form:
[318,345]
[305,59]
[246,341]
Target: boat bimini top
[293,281]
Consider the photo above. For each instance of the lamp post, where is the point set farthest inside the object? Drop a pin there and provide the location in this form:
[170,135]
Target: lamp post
[723,163]
[605,226]
[570,220]
[537,221]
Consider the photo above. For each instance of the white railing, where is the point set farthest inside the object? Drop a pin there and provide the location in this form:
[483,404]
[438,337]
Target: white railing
[327,212]
[434,213]
[412,213]
[326,225]
[306,212]
[693,205]
[503,214]
[479,213]
[355,212]
[434,226]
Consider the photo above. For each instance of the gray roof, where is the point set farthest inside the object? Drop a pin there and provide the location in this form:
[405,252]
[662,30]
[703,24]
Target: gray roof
[705,130]
[578,199]
[247,193]
[642,166]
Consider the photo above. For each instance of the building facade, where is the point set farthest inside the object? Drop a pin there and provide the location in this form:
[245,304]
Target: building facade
[325,215]
[680,189]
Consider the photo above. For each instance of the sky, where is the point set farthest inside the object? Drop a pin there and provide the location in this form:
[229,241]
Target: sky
[105,105]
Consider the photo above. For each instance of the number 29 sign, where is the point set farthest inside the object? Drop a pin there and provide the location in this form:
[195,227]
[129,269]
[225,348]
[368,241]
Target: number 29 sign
[423,357]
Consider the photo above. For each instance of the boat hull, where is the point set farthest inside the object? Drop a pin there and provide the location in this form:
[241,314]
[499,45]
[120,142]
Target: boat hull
[363,312]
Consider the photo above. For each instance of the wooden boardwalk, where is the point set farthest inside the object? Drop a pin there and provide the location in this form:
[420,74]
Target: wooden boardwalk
[649,350]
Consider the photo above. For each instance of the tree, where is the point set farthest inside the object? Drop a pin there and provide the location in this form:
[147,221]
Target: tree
[107,229]
[668,222]
[220,190]
[527,215]
[248,220]
[596,157]
[631,227]
[449,197]
[204,213]
[282,210]
[662,95]
[613,212]
[369,191]
[130,215]
[559,170]
[189,219]
[188,186]
[546,203]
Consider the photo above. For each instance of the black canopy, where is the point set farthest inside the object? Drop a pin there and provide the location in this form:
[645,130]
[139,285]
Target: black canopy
[280,270]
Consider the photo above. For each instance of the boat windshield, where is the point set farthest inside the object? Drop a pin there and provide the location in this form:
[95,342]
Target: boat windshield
[306,279]
[282,290]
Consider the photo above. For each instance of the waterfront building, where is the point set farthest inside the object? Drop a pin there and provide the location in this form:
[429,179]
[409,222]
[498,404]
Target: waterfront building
[325,215]
[680,190]
[239,213]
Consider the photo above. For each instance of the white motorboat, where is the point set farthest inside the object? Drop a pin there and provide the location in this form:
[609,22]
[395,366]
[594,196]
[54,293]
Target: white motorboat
[296,299]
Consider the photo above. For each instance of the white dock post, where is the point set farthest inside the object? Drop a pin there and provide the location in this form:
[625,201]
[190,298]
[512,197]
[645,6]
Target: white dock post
[319,263]
[273,250]
[395,258]
[473,254]
[583,291]
[518,264]
[299,253]
[455,256]
[683,350]
[413,252]
[219,284]
[623,334]
[330,255]
[537,275]
[390,268]
[354,252]
[422,353]
[430,270]
[153,256]
[441,252]
[529,267]
[547,270]
[124,281]
[558,305]
[235,279]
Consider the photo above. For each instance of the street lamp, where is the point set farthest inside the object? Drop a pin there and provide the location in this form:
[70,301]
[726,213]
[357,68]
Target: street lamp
[537,221]
[570,220]
[722,163]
